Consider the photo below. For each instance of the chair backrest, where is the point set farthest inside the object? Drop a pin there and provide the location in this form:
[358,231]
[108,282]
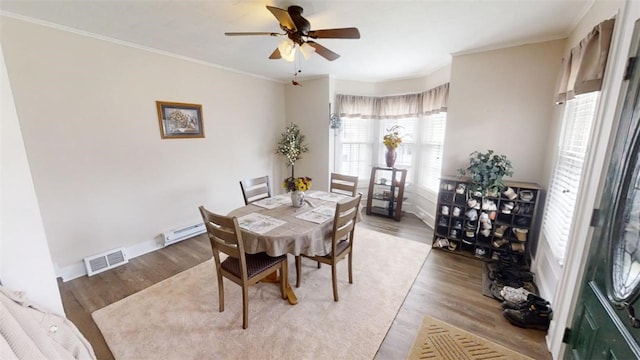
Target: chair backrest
[344,221]
[255,189]
[224,236]
[343,184]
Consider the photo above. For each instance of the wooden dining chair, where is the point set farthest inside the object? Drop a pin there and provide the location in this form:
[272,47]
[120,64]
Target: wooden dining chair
[344,222]
[243,269]
[343,184]
[255,189]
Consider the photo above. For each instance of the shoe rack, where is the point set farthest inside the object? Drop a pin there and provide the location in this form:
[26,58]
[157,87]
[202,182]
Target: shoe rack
[386,192]
[486,227]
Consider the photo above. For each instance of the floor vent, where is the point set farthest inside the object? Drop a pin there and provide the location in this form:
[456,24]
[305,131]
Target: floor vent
[108,260]
[173,236]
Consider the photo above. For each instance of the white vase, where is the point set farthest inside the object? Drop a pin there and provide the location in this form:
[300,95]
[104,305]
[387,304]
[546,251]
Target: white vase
[297,198]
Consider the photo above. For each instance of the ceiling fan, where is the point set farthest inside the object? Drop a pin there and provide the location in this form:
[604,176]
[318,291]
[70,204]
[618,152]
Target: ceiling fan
[298,32]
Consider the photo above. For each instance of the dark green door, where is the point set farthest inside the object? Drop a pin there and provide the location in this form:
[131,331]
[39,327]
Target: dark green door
[604,325]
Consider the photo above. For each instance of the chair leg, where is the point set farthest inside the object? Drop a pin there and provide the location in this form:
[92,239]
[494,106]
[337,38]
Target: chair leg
[334,279]
[220,293]
[350,267]
[284,278]
[319,264]
[245,306]
[298,270]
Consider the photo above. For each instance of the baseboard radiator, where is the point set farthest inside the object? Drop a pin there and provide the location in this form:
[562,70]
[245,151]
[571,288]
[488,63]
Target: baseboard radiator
[183,233]
[107,260]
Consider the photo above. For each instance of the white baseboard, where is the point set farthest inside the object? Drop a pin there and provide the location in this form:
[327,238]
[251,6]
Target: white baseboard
[425,216]
[78,269]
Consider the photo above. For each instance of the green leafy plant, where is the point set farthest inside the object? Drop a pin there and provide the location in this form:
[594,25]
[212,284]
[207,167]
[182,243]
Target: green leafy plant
[486,171]
[291,145]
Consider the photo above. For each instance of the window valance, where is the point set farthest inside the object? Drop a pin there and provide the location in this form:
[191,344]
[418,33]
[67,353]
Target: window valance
[393,107]
[583,70]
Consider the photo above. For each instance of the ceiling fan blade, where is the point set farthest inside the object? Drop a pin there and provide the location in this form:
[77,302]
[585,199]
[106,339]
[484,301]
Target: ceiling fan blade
[343,33]
[283,17]
[251,33]
[323,51]
[275,54]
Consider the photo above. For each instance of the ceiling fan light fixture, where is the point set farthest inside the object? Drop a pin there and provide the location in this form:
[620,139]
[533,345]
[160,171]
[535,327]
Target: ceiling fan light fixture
[287,49]
[307,50]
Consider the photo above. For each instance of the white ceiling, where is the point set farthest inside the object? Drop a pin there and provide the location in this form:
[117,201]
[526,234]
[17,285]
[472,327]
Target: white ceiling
[399,39]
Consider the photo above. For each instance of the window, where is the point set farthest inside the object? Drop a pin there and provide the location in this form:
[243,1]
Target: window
[357,147]
[567,172]
[432,141]
[420,152]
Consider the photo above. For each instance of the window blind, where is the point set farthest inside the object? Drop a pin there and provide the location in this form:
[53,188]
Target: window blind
[432,139]
[567,173]
[356,149]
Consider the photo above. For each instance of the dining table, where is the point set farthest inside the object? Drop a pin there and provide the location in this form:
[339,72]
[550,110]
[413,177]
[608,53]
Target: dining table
[274,226]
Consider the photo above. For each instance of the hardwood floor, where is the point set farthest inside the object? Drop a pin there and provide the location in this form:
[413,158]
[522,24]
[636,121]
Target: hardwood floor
[448,287]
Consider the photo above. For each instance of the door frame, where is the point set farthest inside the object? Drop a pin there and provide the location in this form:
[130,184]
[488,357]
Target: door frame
[603,134]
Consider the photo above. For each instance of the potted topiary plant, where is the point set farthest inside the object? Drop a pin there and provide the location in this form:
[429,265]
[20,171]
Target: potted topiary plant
[486,171]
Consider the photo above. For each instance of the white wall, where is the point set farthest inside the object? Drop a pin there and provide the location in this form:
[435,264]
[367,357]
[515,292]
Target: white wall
[395,87]
[308,106]
[25,261]
[503,100]
[103,176]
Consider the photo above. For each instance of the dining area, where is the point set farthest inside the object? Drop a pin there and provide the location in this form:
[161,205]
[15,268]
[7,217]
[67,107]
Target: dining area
[251,244]
[282,286]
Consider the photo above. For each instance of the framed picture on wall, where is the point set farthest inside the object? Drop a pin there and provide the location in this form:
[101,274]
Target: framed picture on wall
[180,120]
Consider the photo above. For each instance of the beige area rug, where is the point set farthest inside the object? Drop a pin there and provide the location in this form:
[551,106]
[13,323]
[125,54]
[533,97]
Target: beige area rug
[439,340]
[178,318]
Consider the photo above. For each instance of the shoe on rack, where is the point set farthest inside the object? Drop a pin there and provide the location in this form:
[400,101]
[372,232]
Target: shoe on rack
[522,221]
[472,214]
[517,247]
[499,231]
[510,194]
[526,195]
[536,316]
[499,243]
[442,243]
[442,222]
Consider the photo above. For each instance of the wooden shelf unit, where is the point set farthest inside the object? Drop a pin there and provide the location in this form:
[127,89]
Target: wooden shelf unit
[386,192]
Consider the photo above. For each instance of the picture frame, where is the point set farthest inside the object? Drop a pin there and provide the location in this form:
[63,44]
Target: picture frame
[180,120]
